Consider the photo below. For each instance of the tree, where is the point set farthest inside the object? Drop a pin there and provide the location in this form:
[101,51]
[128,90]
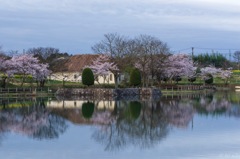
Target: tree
[177,79]
[43,52]
[135,77]
[151,51]
[41,73]
[208,79]
[225,75]
[1,51]
[87,77]
[142,52]
[178,65]
[192,79]
[207,73]
[236,56]
[102,66]
[3,68]
[48,55]
[214,59]
[115,45]
[25,65]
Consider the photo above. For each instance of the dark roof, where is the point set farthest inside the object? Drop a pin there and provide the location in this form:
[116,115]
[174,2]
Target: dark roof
[74,63]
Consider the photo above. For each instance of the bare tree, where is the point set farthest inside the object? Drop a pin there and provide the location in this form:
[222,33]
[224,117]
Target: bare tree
[143,52]
[43,52]
[1,51]
[115,45]
[151,50]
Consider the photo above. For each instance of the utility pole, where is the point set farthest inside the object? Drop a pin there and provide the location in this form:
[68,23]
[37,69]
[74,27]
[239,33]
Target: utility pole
[192,52]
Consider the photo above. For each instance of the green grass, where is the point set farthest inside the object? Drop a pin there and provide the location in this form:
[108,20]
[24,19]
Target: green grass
[54,84]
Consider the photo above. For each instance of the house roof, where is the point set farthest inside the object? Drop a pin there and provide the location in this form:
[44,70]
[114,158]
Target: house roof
[74,63]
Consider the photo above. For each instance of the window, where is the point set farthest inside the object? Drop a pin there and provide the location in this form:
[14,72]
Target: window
[110,77]
[75,76]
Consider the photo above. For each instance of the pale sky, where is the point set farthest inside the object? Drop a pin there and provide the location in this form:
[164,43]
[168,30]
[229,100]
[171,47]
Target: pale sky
[74,26]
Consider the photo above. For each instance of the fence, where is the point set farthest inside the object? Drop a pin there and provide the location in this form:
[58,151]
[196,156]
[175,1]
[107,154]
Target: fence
[16,90]
[23,91]
[190,87]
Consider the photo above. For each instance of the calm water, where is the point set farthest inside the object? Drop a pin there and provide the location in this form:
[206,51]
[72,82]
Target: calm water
[195,126]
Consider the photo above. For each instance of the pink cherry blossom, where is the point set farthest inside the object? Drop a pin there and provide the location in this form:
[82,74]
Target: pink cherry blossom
[102,66]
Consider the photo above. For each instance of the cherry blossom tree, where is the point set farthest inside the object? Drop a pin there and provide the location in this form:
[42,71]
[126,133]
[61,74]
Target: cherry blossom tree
[209,72]
[25,65]
[179,65]
[102,66]
[225,75]
[3,71]
[41,73]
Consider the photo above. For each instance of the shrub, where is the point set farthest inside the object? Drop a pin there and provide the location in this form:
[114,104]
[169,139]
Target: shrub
[135,77]
[87,77]
[192,79]
[177,78]
[209,80]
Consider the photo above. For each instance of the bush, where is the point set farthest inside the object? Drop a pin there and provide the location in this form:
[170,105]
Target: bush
[192,79]
[87,77]
[209,80]
[177,78]
[135,77]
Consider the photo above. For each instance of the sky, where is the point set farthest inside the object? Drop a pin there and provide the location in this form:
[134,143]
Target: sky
[74,26]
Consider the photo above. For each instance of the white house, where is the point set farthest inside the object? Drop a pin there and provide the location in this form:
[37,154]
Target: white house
[70,69]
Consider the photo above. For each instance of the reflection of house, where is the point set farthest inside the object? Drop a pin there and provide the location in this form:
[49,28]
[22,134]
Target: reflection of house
[70,69]
[70,104]
[72,110]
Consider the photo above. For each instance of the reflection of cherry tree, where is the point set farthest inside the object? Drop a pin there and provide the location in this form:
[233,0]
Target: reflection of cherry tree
[33,122]
[103,118]
[177,113]
[212,105]
[120,130]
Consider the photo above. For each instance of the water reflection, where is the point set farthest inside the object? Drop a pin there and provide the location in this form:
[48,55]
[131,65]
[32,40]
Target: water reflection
[116,124]
[30,118]
[132,124]
[145,123]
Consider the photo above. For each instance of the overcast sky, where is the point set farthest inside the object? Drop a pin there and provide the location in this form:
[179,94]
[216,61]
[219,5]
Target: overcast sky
[74,26]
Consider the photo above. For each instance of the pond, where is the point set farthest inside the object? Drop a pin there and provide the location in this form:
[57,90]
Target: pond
[183,126]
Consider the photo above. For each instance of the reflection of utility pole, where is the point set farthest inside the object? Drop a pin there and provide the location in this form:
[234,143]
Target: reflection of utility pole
[192,123]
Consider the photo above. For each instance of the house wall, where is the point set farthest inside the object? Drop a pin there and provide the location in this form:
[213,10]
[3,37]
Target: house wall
[76,77]
[68,104]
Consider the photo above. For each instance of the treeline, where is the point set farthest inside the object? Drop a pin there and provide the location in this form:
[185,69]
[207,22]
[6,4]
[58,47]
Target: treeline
[46,55]
[215,59]
[151,56]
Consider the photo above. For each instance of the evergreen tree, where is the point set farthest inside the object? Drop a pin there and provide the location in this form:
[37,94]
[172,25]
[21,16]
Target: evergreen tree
[135,77]
[209,80]
[87,77]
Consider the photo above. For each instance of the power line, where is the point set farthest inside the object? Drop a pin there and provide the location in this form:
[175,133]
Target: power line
[214,48]
[203,49]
